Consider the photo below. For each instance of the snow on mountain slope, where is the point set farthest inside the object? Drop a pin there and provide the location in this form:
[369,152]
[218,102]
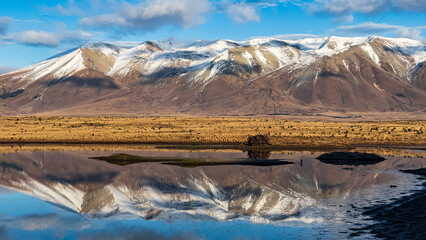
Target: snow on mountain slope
[201,61]
[62,194]
[408,47]
[368,49]
[198,197]
[65,65]
[57,67]
[333,45]
[125,61]
[211,47]
[104,48]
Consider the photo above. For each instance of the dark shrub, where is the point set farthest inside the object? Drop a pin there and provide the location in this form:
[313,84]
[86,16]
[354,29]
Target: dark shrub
[258,140]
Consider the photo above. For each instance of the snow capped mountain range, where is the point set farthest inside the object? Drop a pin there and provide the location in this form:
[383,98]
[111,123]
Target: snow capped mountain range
[153,56]
[195,71]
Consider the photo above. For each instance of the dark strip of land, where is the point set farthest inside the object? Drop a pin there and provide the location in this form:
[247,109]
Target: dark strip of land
[126,159]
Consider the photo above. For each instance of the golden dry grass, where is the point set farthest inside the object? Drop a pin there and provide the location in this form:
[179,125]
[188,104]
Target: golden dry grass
[209,130]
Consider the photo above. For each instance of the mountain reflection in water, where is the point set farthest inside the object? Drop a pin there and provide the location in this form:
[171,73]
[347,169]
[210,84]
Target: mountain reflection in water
[270,197]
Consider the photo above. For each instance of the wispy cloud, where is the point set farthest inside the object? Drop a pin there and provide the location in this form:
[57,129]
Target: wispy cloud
[27,20]
[242,11]
[409,5]
[150,15]
[47,39]
[4,24]
[71,9]
[38,38]
[125,17]
[343,10]
[247,10]
[371,28]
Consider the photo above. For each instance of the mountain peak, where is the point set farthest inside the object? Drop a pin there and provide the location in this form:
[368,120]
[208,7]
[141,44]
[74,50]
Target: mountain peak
[310,73]
[105,48]
[97,45]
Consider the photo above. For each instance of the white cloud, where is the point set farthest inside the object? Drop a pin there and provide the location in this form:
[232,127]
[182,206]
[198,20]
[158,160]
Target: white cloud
[4,24]
[74,36]
[105,21]
[125,17]
[242,12]
[40,38]
[368,28]
[246,10]
[342,10]
[371,28]
[409,33]
[150,15]
[410,5]
[71,10]
[47,39]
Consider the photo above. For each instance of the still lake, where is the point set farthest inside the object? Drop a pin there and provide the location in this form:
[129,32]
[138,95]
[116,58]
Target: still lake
[65,194]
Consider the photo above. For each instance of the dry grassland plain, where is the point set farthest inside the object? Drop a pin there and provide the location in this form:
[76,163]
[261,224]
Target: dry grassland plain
[210,130]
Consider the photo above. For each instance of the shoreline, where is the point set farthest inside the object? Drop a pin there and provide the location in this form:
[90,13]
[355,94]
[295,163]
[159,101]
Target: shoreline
[213,146]
[403,218]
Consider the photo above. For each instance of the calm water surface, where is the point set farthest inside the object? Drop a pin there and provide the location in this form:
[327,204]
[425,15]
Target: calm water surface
[66,195]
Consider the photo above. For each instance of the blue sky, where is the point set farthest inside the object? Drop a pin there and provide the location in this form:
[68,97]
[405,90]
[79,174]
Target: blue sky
[31,31]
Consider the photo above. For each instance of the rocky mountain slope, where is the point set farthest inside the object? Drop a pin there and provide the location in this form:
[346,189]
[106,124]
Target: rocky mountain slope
[223,77]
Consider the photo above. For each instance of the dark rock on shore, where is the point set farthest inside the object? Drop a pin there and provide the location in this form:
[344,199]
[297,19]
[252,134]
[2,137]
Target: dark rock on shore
[350,158]
[404,218]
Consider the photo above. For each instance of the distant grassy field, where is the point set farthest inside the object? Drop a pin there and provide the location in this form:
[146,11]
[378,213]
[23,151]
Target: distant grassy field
[211,130]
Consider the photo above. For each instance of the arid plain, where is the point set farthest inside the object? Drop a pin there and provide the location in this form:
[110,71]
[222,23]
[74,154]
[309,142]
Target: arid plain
[211,131]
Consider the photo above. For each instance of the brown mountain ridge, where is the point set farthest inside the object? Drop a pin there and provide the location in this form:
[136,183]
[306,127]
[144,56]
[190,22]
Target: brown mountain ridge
[224,77]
